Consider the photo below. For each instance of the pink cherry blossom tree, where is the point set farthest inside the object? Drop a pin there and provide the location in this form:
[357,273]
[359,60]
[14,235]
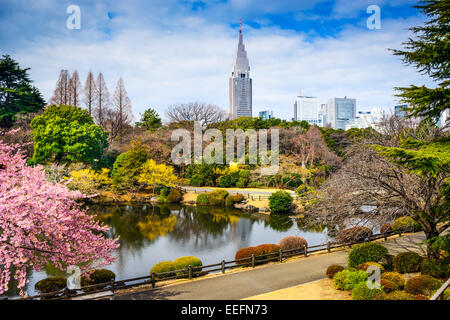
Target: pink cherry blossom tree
[42,223]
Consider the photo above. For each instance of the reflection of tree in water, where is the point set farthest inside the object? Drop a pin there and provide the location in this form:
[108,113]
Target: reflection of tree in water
[279,222]
[310,224]
[136,225]
[206,226]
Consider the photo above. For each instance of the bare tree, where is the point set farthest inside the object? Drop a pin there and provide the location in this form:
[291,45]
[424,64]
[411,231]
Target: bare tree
[102,102]
[61,95]
[90,92]
[122,106]
[74,89]
[206,114]
[369,180]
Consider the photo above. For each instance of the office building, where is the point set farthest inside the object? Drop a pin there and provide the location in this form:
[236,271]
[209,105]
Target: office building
[340,111]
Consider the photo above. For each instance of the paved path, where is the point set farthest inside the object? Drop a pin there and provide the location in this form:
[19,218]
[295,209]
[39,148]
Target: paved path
[264,279]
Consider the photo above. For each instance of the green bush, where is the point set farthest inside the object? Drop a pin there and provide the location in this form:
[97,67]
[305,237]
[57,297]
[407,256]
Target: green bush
[333,269]
[280,201]
[217,197]
[203,199]
[407,262]
[51,284]
[174,195]
[438,268]
[396,295]
[387,262]
[405,223]
[244,178]
[164,266]
[366,252]
[394,277]
[365,265]
[238,198]
[388,286]
[348,279]
[362,292]
[185,262]
[425,285]
[98,276]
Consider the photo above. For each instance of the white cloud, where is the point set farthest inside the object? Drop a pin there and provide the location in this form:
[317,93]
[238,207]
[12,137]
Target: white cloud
[192,62]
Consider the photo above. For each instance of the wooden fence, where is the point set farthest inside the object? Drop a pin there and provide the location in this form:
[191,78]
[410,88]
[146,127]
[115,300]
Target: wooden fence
[109,288]
[439,295]
[249,195]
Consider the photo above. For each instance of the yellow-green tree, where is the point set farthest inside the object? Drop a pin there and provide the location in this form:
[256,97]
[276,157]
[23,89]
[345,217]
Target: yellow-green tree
[153,174]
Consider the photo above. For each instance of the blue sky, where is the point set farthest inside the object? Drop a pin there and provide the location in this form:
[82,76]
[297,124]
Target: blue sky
[171,51]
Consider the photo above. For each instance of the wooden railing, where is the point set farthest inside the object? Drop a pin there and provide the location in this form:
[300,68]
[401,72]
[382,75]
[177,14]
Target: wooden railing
[439,295]
[192,272]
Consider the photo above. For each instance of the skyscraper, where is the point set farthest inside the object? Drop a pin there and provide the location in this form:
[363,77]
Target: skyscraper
[240,83]
[307,109]
[340,111]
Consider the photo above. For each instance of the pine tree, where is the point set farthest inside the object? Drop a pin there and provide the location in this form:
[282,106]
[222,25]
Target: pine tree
[430,54]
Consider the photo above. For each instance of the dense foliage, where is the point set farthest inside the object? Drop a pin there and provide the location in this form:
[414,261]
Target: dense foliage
[349,279]
[366,252]
[280,201]
[407,262]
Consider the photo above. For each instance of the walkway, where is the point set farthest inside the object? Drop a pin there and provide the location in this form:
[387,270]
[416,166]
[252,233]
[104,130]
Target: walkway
[264,279]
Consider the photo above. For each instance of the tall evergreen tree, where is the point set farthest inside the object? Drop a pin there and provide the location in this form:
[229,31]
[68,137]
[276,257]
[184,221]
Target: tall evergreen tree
[429,52]
[17,95]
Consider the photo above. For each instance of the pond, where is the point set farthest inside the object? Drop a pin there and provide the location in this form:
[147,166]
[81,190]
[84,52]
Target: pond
[150,234]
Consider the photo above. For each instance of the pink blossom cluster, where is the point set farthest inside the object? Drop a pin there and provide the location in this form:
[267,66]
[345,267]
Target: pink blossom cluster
[42,223]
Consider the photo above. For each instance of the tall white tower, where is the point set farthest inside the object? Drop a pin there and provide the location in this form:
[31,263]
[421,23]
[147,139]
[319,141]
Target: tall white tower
[240,83]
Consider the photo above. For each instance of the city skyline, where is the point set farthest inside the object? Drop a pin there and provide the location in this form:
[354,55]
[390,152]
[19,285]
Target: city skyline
[179,52]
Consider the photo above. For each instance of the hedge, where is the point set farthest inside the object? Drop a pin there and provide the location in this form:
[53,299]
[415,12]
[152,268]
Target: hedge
[366,252]
[348,279]
[362,292]
[354,234]
[425,285]
[184,262]
[407,262]
[164,266]
[394,277]
[51,284]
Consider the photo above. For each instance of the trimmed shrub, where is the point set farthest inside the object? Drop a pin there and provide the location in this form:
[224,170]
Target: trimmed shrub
[292,242]
[174,196]
[245,253]
[394,277]
[354,234]
[98,276]
[164,266]
[333,269]
[348,279]
[438,268]
[425,285]
[267,248]
[387,262]
[362,292]
[229,200]
[280,202]
[184,262]
[366,252]
[420,297]
[217,197]
[365,265]
[387,227]
[203,199]
[407,262]
[51,284]
[396,295]
[238,198]
[388,286]
[405,223]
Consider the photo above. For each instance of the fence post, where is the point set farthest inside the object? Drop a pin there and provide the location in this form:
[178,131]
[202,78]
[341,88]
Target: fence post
[385,236]
[253,260]
[281,255]
[112,285]
[223,266]
[328,246]
[153,280]
[306,249]
[66,294]
[190,272]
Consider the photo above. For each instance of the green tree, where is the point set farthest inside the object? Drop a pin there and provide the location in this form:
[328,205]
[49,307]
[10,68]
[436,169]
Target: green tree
[66,134]
[150,120]
[429,52]
[17,95]
[128,166]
